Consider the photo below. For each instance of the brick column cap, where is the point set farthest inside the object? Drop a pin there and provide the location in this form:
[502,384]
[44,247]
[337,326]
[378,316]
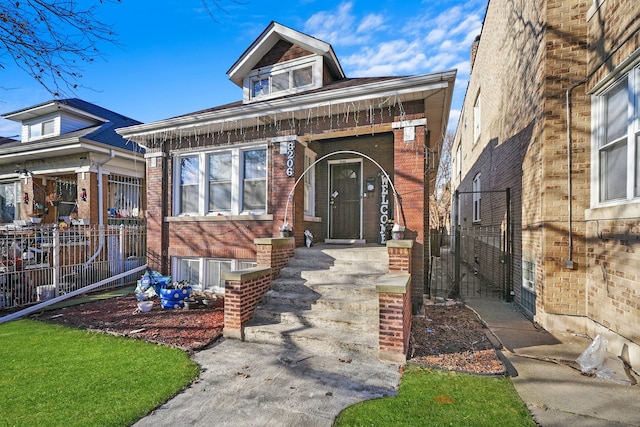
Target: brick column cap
[400,244]
[246,274]
[393,283]
[272,240]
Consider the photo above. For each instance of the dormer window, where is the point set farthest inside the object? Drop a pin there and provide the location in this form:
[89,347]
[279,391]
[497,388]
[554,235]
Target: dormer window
[284,78]
[41,129]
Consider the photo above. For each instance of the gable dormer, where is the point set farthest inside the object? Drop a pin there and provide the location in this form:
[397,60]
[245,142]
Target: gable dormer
[53,119]
[283,61]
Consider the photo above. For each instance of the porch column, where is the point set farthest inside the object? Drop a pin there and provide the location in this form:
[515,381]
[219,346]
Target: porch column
[412,183]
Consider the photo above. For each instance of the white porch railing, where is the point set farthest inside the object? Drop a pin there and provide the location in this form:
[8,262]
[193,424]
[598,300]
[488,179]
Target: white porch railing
[38,263]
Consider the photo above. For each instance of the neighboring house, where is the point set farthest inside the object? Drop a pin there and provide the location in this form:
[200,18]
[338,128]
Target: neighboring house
[219,178]
[70,147]
[552,112]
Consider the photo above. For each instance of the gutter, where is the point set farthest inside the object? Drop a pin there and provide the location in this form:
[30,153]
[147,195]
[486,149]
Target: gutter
[569,262]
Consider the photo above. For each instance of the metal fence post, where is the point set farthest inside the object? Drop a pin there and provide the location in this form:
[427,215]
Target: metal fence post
[56,259]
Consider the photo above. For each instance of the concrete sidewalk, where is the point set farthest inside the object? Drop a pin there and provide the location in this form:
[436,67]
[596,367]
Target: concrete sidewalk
[249,384]
[549,380]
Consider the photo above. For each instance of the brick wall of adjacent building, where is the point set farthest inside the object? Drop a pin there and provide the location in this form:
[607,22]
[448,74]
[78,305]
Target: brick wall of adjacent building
[523,144]
[613,232]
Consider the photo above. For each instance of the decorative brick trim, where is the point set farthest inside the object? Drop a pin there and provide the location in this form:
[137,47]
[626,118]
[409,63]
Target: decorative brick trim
[242,294]
[394,307]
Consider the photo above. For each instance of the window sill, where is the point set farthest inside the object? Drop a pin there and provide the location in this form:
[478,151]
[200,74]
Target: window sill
[309,218]
[219,218]
[620,211]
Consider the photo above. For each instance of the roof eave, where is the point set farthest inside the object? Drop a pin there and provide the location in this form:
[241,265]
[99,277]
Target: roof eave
[402,86]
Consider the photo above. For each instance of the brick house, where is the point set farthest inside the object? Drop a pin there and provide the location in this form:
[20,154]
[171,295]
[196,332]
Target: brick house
[305,146]
[69,147]
[552,112]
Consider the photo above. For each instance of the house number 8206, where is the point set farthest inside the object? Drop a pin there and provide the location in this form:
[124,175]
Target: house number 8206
[291,154]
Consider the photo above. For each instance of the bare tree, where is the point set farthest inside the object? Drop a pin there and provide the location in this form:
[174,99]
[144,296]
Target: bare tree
[440,200]
[52,40]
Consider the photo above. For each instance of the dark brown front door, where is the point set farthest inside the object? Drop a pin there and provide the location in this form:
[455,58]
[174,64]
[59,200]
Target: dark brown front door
[344,201]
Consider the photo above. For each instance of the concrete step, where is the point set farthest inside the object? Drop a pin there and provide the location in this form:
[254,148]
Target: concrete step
[301,286]
[324,301]
[336,320]
[338,277]
[320,302]
[328,342]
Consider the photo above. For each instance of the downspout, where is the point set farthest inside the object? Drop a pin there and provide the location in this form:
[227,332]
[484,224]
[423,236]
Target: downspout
[112,154]
[569,262]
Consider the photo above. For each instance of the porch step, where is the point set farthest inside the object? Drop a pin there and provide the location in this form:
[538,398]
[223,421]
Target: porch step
[353,305]
[286,315]
[341,344]
[325,301]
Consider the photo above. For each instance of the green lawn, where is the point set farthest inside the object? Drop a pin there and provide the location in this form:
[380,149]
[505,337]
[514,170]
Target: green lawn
[52,375]
[437,398]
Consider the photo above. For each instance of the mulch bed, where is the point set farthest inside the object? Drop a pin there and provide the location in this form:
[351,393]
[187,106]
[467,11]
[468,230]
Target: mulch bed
[191,329]
[449,336]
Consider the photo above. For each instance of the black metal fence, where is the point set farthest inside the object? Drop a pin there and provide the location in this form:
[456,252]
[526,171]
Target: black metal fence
[471,262]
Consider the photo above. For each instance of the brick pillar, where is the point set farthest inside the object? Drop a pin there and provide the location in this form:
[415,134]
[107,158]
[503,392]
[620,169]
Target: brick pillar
[394,303]
[409,155]
[156,185]
[274,253]
[242,293]
[394,307]
[400,256]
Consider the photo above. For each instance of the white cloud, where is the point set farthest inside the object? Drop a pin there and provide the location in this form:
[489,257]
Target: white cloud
[335,27]
[388,58]
[371,22]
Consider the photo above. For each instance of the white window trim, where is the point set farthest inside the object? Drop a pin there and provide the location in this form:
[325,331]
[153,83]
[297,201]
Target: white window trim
[39,123]
[312,185]
[266,72]
[477,197]
[203,182]
[477,125]
[598,118]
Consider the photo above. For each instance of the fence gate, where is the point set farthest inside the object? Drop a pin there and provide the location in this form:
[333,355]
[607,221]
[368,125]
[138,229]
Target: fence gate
[474,261]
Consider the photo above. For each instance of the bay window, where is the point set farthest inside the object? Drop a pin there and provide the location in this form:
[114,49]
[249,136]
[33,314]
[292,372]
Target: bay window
[222,182]
[255,180]
[189,184]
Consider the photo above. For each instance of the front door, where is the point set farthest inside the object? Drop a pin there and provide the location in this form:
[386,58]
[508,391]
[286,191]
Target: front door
[345,204]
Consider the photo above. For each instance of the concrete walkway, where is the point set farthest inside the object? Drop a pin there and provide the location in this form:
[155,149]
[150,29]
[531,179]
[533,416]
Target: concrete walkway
[249,384]
[549,380]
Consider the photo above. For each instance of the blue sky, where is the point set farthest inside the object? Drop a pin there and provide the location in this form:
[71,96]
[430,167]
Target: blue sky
[172,59]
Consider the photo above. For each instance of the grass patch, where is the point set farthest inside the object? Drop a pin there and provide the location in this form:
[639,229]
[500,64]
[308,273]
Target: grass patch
[436,398]
[53,375]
